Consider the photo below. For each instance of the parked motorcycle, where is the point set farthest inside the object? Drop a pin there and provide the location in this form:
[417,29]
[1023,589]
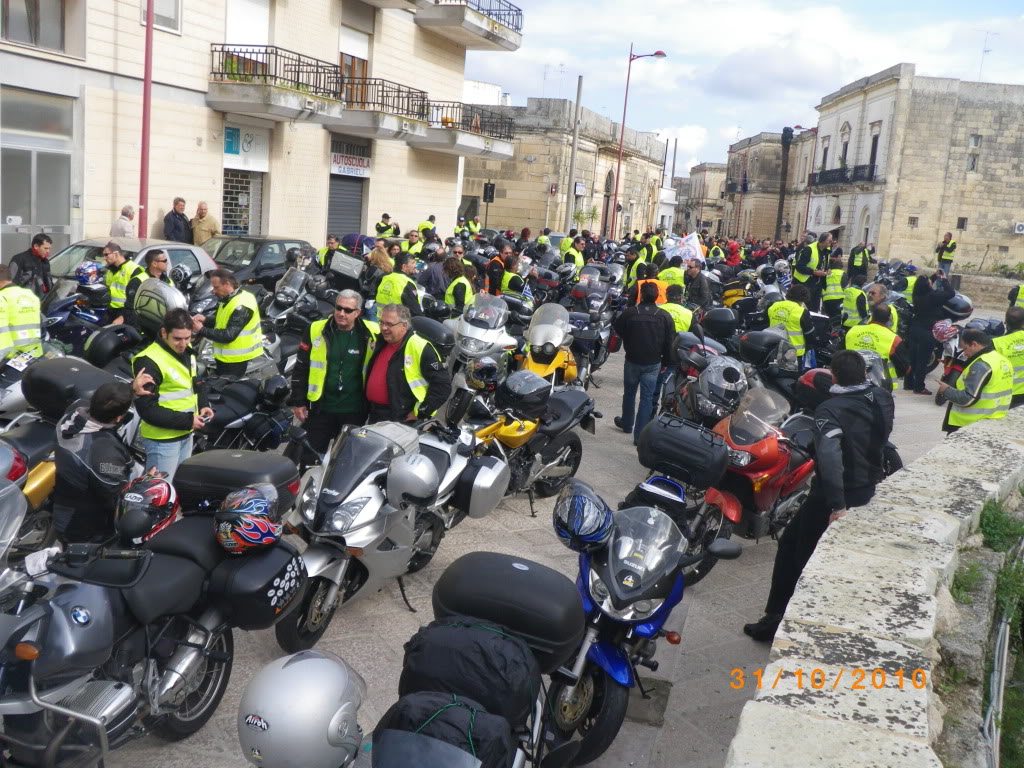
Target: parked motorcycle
[480,332]
[112,644]
[629,589]
[378,507]
[70,320]
[548,350]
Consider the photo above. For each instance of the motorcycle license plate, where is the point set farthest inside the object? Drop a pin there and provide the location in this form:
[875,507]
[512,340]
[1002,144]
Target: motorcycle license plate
[589,423]
[20,363]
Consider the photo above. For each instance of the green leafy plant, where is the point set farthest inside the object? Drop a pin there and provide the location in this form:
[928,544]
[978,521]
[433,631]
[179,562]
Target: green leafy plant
[592,215]
[965,581]
[999,529]
[1010,590]
[1012,722]
[579,216]
[951,679]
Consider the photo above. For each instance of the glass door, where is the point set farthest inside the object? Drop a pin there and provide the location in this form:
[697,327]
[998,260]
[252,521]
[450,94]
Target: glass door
[35,197]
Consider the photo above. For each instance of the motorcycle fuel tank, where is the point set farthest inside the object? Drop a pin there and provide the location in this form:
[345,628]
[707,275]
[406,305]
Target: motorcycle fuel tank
[80,631]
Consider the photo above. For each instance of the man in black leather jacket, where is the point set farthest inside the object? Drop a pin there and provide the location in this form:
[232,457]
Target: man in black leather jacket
[851,430]
[93,464]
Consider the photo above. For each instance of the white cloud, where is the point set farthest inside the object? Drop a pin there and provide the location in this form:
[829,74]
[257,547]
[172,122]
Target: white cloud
[692,138]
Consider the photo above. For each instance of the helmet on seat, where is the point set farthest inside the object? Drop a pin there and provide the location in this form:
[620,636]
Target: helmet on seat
[582,519]
[181,274]
[145,507]
[248,519]
[812,388]
[87,273]
[768,274]
[483,374]
[301,710]
[274,390]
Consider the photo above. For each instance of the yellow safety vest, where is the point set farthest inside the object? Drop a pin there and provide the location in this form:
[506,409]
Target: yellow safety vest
[249,342]
[474,227]
[1011,346]
[21,318]
[577,257]
[322,255]
[716,253]
[656,242]
[1020,296]
[859,257]
[994,400]
[894,318]
[425,226]
[318,356]
[947,252]
[506,278]
[787,314]
[833,286]
[681,316]
[851,316]
[117,282]
[413,249]
[449,294]
[388,229]
[543,240]
[812,264]
[175,393]
[909,295]
[673,276]
[564,245]
[459,230]
[631,271]
[414,371]
[874,338]
[392,286]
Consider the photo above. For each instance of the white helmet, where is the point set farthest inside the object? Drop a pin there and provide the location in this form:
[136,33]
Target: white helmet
[301,710]
[782,266]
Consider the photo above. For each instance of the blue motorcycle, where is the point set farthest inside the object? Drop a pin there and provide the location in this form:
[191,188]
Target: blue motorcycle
[72,319]
[629,587]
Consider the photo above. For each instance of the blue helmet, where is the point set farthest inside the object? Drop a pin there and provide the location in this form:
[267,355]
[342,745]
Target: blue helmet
[581,518]
[88,273]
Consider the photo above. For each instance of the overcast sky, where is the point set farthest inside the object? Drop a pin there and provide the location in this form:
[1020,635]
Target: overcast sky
[738,67]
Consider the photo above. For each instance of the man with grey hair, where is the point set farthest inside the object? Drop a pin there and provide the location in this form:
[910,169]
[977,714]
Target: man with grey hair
[204,226]
[177,227]
[406,377]
[124,226]
[878,296]
[327,381]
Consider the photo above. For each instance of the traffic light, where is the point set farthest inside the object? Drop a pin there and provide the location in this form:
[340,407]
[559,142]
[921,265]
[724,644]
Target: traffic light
[488,192]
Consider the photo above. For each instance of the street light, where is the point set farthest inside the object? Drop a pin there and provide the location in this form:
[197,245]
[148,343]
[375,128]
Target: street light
[741,185]
[622,133]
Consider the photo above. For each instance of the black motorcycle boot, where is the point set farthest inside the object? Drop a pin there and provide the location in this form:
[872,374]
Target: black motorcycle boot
[765,627]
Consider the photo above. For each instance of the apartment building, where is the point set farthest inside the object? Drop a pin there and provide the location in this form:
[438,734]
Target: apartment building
[297,118]
[531,185]
[706,197]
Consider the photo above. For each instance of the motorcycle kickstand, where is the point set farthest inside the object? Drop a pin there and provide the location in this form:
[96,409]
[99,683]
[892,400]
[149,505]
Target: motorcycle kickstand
[401,588]
[639,683]
[594,382]
[529,495]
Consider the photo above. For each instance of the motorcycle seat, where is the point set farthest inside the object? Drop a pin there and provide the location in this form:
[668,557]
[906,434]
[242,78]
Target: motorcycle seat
[440,459]
[35,440]
[563,409]
[191,538]
[231,400]
[171,585]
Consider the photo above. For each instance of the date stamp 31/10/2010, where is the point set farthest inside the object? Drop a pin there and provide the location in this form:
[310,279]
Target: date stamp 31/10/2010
[854,679]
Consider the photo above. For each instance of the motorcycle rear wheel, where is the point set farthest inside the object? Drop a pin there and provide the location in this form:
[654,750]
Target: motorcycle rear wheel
[201,703]
[596,712]
[544,489]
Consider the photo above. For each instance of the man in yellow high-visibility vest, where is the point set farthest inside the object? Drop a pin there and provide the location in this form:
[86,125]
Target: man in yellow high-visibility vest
[1011,346]
[945,252]
[984,389]
[236,334]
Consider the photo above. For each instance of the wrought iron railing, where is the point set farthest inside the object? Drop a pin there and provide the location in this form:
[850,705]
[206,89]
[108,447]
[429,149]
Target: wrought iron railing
[501,11]
[863,173]
[374,94]
[469,117]
[270,65]
[842,175]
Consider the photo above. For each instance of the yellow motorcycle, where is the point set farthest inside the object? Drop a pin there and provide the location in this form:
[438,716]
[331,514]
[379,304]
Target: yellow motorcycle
[548,351]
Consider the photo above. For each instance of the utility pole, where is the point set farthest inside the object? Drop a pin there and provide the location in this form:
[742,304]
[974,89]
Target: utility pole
[570,185]
[147,102]
[675,150]
[787,140]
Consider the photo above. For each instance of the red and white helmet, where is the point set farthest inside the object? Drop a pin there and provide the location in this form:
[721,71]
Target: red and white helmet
[945,330]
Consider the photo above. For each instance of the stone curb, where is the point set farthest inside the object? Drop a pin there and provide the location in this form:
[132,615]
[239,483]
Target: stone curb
[874,596]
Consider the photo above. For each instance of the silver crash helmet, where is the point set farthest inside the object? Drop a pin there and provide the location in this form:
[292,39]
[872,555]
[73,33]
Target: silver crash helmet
[300,710]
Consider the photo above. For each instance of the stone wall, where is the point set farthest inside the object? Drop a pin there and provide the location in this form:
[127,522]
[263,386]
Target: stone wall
[875,596]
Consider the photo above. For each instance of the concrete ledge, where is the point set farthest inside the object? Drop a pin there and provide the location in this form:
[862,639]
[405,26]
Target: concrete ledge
[873,599]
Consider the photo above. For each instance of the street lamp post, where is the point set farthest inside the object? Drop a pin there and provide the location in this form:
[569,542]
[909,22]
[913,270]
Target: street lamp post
[743,172]
[622,133]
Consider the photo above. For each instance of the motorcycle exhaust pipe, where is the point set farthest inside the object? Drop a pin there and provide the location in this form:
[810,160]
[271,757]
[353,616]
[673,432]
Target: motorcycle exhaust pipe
[186,659]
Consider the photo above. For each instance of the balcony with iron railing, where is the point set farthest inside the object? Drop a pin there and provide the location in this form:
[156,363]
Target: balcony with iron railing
[467,129]
[490,25]
[858,174]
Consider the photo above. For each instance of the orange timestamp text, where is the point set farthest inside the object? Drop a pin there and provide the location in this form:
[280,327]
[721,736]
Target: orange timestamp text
[854,679]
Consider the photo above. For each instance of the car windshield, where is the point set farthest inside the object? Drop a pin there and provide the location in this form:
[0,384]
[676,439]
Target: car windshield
[760,413]
[65,262]
[230,252]
[486,311]
[550,323]
[645,545]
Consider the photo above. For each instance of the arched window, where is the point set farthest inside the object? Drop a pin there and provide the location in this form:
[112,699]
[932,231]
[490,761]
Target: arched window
[837,215]
[609,182]
[817,215]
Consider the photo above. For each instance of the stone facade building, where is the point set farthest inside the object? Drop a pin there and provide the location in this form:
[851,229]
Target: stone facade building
[798,197]
[901,159]
[753,176]
[684,218]
[530,186]
[706,197]
[302,119]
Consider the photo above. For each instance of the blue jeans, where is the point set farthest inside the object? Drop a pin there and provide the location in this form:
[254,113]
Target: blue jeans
[646,378]
[166,455]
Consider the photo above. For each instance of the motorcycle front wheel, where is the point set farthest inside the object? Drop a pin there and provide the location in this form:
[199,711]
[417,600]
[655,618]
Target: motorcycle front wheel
[303,627]
[573,457]
[595,710]
[202,699]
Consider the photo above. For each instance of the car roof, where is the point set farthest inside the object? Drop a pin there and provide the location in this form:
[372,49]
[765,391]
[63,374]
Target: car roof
[259,238]
[129,243]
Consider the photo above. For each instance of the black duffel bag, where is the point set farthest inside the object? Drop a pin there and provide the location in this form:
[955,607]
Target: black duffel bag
[474,658]
[455,720]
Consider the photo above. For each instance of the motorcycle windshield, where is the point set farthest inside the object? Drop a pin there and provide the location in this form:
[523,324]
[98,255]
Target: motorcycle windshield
[616,273]
[294,278]
[590,272]
[644,547]
[358,453]
[760,413]
[486,311]
[549,324]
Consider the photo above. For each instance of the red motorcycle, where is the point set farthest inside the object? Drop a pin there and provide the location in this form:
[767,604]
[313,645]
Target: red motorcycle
[770,463]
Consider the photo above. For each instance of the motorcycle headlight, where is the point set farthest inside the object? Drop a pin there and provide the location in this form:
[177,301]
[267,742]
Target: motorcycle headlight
[307,501]
[644,608]
[708,408]
[51,321]
[740,458]
[346,514]
[473,346]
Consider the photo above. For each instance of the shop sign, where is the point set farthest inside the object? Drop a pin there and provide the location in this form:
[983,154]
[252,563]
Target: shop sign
[247,148]
[350,165]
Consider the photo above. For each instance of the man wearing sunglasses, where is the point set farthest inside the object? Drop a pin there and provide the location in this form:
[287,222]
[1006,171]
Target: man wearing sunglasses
[157,265]
[327,381]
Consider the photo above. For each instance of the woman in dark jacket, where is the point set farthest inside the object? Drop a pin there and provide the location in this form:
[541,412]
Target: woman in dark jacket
[930,293]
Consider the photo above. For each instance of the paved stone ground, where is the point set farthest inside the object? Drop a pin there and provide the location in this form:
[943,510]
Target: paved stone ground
[702,710]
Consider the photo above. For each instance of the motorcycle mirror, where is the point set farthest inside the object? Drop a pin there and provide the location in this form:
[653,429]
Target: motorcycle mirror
[724,549]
